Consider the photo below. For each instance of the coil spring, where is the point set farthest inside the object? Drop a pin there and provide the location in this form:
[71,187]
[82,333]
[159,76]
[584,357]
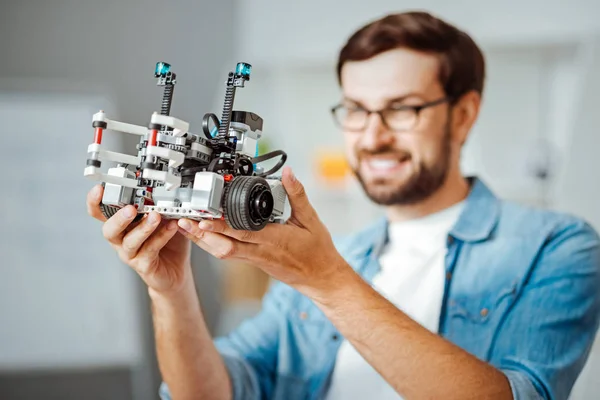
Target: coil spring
[227,108]
[165,108]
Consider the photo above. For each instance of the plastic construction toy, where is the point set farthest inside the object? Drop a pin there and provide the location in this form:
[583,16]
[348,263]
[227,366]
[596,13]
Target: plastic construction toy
[182,175]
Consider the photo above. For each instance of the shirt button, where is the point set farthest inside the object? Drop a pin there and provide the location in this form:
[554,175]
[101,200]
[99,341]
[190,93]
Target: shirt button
[335,336]
[484,312]
[303,315]
[448,275]
[450,239]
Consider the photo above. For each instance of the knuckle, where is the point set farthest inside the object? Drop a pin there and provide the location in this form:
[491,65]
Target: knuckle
[124,257]
[227,251]
[147,229]
[138,265]
[283,245]
[247,235]
[128,247]
[300,192]
[197,235]
[106,232]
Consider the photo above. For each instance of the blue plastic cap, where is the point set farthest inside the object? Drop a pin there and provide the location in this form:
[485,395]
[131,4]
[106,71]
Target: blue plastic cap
[162,68]
[243,69]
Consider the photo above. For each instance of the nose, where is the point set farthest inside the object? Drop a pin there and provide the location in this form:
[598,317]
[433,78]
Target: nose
[376,133]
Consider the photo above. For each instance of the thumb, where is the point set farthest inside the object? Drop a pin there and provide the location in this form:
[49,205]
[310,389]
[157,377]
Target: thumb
[301,207]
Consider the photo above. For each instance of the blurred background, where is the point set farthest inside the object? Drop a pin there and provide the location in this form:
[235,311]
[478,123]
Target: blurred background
[74,321]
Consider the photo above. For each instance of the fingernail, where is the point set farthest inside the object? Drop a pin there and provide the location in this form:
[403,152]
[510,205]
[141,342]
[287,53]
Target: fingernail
[96,190]
[152,218]
[129,212]
[185,224]
[172,225]
[292,176]
[205,225]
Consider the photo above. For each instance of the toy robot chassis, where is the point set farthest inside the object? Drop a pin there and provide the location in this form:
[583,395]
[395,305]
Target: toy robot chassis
[182,175]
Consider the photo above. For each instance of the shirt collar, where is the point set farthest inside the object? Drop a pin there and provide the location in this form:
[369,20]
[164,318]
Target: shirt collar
[480,214]
[476,222]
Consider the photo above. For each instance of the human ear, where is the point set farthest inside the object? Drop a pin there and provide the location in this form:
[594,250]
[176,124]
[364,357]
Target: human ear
[464,115]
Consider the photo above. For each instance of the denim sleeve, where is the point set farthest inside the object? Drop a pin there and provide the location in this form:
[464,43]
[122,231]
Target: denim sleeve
[546,339]
[250,351]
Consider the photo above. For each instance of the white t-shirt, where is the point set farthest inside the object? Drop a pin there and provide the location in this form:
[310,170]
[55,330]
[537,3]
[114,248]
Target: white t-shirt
[412,277]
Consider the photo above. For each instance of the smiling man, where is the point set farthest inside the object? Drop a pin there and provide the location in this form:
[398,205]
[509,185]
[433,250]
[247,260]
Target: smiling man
[455,294]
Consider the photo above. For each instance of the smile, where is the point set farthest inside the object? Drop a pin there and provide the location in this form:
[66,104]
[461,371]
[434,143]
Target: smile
[380,166]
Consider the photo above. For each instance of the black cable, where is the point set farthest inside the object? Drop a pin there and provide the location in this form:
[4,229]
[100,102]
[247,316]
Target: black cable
[268,156]
[206,124]
[191,171]
[243,166]
[213,165]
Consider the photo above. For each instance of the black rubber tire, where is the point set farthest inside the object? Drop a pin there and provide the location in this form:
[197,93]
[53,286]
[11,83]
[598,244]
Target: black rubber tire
[109,211]
[237,203]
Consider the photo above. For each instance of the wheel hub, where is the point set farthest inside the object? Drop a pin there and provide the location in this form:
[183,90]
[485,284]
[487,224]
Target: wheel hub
[262,203]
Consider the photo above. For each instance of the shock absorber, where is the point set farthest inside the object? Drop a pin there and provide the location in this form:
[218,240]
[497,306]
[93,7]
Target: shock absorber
[166,78]
[165,107]
[234,79]
[227,106]
[167,99]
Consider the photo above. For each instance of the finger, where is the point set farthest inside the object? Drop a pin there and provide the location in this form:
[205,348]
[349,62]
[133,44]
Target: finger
[94,197]
[153,246]
[190,229]
[224,247]
[134,239]
[216,244]
[217,226]
[302,210]
[194,240]
[114,228]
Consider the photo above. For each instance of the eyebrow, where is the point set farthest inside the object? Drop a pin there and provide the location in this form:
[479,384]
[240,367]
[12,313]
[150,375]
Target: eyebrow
[393,100]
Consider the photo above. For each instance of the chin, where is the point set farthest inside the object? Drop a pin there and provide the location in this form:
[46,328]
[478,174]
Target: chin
[386,192]
[408,191]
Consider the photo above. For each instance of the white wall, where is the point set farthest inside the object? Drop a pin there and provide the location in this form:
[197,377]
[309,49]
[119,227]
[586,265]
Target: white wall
[314,30]
[65,300]
[578,188]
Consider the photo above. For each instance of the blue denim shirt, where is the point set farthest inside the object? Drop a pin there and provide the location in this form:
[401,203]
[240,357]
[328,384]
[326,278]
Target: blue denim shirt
[522,293]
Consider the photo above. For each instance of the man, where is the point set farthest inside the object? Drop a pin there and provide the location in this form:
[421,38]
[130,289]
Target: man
[455,294]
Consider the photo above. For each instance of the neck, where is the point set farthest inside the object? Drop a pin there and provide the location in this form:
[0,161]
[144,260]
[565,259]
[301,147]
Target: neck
[454,190]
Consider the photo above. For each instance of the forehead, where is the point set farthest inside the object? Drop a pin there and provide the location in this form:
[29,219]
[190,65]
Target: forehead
[390,75]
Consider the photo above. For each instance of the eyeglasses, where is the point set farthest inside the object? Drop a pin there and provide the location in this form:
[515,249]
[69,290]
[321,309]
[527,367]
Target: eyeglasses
[399,119]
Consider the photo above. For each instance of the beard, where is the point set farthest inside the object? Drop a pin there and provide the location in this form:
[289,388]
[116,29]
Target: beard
[421,184]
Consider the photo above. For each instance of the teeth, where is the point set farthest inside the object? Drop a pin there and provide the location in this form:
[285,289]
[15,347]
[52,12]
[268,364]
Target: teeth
[383,164]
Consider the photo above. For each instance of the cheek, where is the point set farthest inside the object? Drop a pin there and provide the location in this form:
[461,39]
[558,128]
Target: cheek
[422,149]
[428,140]
[350,146]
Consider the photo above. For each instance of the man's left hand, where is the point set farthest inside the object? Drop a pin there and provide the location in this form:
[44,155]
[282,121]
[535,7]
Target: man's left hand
[299,253]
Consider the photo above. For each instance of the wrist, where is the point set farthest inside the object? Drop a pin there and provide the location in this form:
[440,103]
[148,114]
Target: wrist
[338,286]
[176,296]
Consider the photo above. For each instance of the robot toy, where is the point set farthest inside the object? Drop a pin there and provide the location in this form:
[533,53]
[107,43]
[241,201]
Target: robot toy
[183,175]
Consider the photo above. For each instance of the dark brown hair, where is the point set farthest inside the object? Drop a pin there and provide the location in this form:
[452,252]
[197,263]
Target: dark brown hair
[462,66]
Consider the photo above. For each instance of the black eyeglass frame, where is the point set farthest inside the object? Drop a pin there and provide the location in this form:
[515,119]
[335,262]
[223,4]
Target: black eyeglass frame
[416,108]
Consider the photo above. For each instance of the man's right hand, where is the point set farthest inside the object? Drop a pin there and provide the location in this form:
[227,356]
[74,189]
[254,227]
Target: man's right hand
[151,247]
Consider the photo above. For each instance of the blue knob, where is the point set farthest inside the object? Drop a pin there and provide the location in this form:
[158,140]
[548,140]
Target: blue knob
[162,68]
[243,69]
